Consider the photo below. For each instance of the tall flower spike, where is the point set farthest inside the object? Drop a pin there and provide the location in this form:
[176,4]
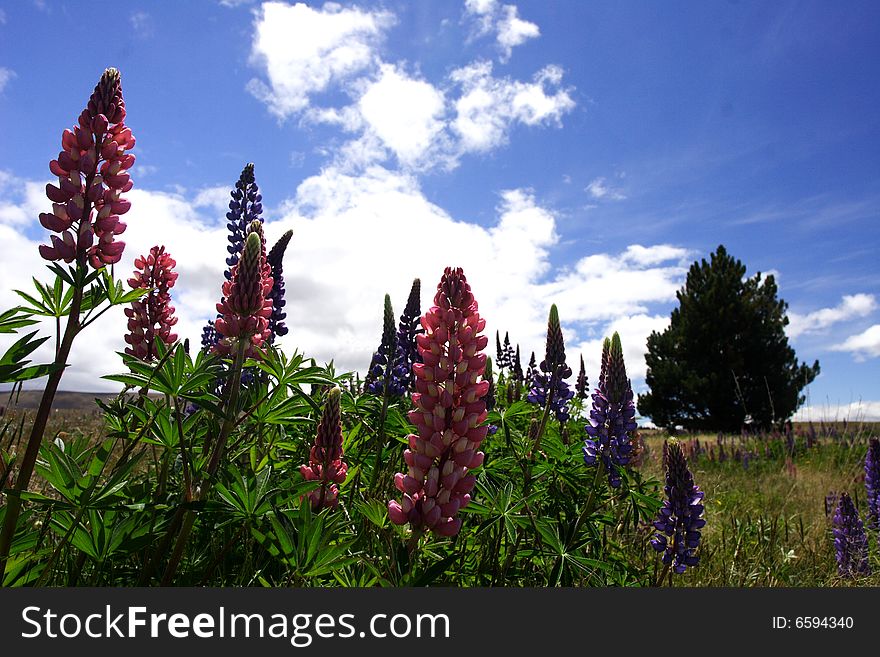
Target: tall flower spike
[531,372]
[245,207]
[449,411]
[386,373]
[550,383]
[92,176]
[508,352]
[582,386]
[209,336]
[517,367]
[275,260]
[246,307]
[500,354]
[850,540]
[612,418]
[407,330]
[872,482]
[325,458]
[680,519]
[151,317]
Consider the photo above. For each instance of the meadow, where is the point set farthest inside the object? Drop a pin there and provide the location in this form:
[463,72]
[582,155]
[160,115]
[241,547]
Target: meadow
[234,463]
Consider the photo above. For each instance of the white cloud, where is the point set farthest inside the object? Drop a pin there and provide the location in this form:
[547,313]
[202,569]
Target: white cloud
[514,31]
[503,20]
[406,114]
[6,75]
[488,106]
[859,411]
[600,189]
[303,50]
[863,345]
[850,307]
[356,237]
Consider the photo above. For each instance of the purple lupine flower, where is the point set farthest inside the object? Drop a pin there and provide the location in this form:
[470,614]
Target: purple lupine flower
[850,540]
[508,352]
[449,411]
[246,206]
[517,373]
[531,372]
[209,336]
[407,330]
[548,385]
[92,176]
[275,258]
[582,386]
[386,374]
[872,482]
[325,458]
[151,317]
[612,418]
[681,516]
[500,353]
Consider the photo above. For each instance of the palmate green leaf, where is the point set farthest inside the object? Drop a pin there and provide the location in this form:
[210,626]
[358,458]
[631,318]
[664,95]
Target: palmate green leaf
[15,318]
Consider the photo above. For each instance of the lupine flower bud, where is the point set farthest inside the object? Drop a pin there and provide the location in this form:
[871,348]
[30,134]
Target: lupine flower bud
[246,307]
[508,352]
[407,330]
[582,386]
[92,176]
[275,260]
[850,540]
[680,518]
[325,458]
[531,372]
[152,316]
[612,418]
[500,353]
[386,373]
[549,385]
[517,367]
[246,206]
[872,482]
[449,411]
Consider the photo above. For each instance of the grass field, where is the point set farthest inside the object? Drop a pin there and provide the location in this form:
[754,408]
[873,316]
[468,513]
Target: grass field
[769,499]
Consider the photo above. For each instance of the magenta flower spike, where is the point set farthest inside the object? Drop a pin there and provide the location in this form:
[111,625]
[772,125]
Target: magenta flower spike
[246,305]
[325,458]
[449,412]
[92,176]
[153,316]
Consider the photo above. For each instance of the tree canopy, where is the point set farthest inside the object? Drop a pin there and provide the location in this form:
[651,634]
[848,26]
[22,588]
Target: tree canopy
[724,360]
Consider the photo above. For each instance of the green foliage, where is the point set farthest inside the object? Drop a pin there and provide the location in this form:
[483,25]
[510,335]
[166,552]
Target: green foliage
[725,358]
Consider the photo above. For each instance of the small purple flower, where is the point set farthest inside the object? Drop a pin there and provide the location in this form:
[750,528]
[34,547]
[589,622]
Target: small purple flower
[548,385]
[386,374]
[210,336]
[872,482]
[850,540]
[680,519]
[275,260]
[409,327]
[245,207]
[612,418]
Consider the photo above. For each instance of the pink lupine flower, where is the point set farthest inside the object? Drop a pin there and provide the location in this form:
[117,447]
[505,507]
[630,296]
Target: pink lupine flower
[153,316]
[92,176]
[246,306]
[325,458]
[449,412]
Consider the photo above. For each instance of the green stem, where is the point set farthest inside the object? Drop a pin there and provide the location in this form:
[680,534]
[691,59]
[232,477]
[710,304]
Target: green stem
[26,470]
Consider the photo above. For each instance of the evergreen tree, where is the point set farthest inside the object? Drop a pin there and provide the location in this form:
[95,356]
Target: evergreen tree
[725,357]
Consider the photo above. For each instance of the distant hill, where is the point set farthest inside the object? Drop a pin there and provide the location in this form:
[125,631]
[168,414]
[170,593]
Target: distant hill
[79,401]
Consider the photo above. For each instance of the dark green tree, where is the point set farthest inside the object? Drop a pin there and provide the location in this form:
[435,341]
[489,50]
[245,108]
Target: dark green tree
[725,356]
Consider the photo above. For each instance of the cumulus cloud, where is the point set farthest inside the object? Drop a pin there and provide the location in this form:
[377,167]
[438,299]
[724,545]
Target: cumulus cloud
[863,345]
[406,114]
[142,24]
[850,307]
[488,106]
[859,411]
[490,17]
[304,50]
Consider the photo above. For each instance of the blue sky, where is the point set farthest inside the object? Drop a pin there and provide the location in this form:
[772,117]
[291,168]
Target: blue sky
[582,153]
